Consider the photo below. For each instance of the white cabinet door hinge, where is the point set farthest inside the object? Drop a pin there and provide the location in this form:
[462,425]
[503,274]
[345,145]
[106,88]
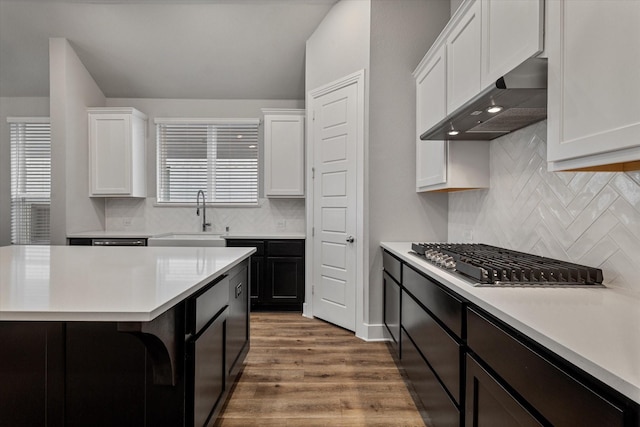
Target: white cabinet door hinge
[313,173]
[313,231]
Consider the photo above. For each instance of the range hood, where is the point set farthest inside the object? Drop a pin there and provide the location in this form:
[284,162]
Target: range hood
[520,97]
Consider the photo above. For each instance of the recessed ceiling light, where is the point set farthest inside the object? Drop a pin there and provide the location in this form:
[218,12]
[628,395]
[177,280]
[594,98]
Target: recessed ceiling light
[494,109]
[453,132]
[239,136]
[252,146]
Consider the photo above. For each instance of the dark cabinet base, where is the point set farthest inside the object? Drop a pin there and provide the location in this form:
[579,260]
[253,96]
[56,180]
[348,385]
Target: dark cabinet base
[277,268]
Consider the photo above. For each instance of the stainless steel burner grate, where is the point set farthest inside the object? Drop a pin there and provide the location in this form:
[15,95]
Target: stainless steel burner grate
[494,266]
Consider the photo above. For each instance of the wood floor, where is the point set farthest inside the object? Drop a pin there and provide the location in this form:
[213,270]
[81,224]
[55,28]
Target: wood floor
[305,372]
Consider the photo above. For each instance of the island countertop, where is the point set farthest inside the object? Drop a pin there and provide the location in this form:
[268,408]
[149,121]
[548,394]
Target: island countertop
[124,284]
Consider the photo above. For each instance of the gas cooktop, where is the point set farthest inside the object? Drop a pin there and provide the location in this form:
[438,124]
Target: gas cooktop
[489,265]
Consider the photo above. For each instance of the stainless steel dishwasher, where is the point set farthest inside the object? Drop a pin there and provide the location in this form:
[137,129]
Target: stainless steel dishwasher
[119,242]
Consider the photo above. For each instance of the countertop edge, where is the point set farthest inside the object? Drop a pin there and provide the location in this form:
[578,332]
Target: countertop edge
[630,390]
[124,316]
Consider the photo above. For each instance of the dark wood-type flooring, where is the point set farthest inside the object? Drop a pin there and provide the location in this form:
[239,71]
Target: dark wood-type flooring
[305,372]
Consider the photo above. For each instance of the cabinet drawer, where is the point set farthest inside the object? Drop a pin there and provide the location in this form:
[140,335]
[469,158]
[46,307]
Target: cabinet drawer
[285,247]
[440,350]
[561,399]
[444,306]
[242,243]
[442,411]
[203,307]
[490,404]
[392,266]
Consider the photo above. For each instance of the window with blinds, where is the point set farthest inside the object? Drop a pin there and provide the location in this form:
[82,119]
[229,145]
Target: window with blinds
[219,157]
[30,180]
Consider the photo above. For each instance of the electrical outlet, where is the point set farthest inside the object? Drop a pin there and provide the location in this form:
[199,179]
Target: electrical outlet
[126,222]
[467,235]
[281,224]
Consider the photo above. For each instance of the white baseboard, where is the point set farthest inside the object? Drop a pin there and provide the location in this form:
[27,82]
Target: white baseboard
[377,332]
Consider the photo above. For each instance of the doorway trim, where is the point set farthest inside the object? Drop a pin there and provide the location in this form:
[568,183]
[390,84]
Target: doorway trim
[362,238]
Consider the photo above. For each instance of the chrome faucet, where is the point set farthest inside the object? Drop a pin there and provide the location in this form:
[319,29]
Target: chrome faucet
[204,210]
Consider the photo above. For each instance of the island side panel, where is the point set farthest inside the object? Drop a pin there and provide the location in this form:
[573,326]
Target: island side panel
[31,374]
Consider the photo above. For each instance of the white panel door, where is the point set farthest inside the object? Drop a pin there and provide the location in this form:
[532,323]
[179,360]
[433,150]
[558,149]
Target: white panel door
[110,151]
[284,155]
[463,59]
[511,33]
[431,107]
[335,149]
[594,84]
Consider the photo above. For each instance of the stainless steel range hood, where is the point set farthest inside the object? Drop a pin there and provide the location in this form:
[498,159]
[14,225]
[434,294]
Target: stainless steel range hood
[521,95]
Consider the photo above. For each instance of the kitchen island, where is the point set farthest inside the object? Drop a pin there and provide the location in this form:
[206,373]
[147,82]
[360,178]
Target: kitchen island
[120,336]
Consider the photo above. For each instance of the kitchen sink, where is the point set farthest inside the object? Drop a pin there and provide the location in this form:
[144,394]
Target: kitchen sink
[187,239]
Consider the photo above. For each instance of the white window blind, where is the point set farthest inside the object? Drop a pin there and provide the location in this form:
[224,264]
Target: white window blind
[219,157]
[30,180]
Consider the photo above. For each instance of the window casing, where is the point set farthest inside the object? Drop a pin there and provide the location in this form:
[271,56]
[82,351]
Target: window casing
[219,157]
[30,180]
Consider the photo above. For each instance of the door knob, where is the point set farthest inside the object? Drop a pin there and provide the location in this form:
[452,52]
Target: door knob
[350,239]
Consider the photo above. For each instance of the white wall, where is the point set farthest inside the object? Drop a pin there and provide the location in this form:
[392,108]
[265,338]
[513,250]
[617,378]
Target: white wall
[386,38]
[340,44]
[401,33]
[72,90]
[584,217]
[13,107]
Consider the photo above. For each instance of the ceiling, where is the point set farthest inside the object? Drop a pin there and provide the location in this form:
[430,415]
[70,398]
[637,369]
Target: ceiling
[190,49]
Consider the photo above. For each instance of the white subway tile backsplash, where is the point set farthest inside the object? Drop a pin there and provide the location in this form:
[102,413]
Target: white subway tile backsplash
[584,217]
[266,218]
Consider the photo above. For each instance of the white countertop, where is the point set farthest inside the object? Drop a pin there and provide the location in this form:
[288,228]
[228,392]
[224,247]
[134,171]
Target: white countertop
[598,330]
[265,236]
[82,283]
[101,234]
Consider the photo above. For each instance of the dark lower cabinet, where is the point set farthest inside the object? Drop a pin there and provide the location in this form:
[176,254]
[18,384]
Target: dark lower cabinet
[237,343]
[277,281]
[470,369]
[207,370]
[392,309]
[490,405]
[440,408]
[561,398]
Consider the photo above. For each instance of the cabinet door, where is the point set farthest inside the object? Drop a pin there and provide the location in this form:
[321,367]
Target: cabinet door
[463,58]
[392,307]
[284,285]
[594,90]
[431,107]
[110,152]
[257,279]
[208,371]
[489,404]
[511,33]
[238,316]
[284,155]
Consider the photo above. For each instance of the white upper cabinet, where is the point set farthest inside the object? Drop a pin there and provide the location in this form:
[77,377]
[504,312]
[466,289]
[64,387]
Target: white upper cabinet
[463,56]
[117,152]
[594,85]
[431,100]
[441,165]
[512,32]
[284,153]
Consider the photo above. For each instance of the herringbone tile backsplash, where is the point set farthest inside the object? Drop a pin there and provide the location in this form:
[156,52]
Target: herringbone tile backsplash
[583,217]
